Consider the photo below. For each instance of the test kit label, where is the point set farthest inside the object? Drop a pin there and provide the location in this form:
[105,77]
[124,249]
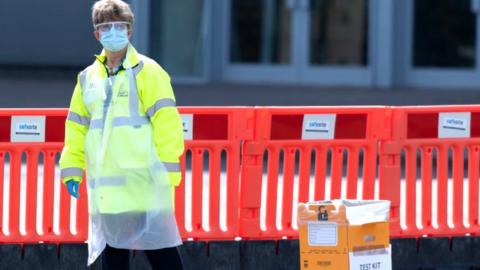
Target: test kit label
[377,259]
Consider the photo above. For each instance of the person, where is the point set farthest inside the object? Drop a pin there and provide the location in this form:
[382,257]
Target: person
[124,131]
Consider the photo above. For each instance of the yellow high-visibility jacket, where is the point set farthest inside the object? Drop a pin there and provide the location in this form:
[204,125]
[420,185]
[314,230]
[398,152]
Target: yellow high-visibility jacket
[156,101]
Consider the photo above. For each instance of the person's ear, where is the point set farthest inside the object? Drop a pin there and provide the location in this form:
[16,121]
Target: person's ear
[97,35]
[130,32]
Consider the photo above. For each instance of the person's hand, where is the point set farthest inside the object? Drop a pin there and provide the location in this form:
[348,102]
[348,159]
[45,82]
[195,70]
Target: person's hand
[72,187]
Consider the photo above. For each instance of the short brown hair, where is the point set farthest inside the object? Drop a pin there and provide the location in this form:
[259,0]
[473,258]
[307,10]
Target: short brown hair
[111,10]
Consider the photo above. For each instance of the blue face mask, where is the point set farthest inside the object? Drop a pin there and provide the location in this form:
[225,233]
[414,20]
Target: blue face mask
[114,40]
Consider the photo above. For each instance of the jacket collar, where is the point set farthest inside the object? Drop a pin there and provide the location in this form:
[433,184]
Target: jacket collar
[131,57]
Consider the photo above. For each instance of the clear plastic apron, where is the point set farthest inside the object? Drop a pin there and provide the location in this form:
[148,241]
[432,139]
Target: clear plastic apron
[130,198]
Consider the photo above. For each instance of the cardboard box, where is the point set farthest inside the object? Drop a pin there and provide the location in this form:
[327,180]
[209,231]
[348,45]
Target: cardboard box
[344,234]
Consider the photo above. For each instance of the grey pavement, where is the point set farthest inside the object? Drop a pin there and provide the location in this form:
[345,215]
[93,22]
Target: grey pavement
[52,88]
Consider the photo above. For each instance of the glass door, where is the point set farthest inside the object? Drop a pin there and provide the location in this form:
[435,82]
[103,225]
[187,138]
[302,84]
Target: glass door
[259,41]
[315,42]
[442,48]
[337,41]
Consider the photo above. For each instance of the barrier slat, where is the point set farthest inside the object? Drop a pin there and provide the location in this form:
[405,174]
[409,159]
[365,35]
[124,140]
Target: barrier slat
[287,198]
[336,171]
[458,186]
[214,202]
[31,196]
[473,178]
[233,173]
[442,187]
[352,172]
[304,174]
[369,171]
[320,172]
[197,189]
[426,169]
[48,192]
[411,187]
[14,206]
[2,177]
[272,186]
[65,206]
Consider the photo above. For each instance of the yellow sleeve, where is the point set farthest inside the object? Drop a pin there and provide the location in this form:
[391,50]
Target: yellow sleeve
[72,160]
[159,102]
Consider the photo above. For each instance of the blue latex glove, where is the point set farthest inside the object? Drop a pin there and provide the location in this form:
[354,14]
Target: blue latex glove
[72,187]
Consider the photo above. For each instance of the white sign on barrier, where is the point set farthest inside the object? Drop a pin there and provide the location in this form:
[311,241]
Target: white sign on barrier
[454,125]
[318,126]
[27,129]
[187,122]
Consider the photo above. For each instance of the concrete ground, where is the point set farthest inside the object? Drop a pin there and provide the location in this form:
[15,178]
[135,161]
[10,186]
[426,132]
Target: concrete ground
[53,88]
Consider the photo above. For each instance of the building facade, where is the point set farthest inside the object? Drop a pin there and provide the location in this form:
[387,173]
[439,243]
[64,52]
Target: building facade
[364,43]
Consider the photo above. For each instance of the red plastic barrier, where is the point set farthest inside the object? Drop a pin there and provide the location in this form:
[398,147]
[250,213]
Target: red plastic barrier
[438,145]
[215,130]
[248,160]
[301,132]
[48,150]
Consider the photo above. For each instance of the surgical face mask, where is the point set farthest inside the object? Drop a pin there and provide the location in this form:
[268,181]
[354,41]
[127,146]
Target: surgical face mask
[113,35]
